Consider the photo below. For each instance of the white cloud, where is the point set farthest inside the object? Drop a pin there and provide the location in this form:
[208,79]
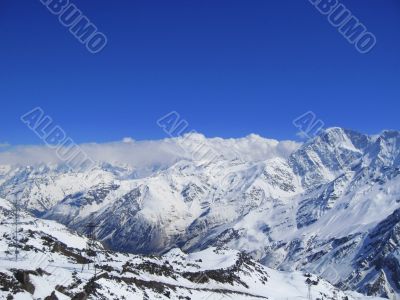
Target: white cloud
[157,153]
[128,140]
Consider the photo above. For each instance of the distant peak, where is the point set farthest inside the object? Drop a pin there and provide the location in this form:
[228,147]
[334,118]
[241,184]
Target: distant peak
[334,129]
[338,133]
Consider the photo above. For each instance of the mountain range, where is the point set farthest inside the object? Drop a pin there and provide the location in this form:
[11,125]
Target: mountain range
[329,206]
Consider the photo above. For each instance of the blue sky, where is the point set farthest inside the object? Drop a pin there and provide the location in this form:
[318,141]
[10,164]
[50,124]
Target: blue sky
[229,67]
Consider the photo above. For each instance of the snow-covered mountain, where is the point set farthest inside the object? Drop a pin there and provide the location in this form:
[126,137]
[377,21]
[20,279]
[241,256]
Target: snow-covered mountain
[54,263]
[329,206]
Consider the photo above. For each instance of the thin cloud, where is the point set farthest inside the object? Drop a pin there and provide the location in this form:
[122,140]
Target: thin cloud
[155,154]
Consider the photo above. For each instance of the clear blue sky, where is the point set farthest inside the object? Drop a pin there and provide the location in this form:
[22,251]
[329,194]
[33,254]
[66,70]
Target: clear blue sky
[229,67]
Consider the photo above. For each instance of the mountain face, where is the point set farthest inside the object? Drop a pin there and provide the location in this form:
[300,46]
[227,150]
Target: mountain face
[328,207]
[55,263]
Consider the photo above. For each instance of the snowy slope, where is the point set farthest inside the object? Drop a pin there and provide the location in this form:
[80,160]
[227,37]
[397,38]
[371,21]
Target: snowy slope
[53,264]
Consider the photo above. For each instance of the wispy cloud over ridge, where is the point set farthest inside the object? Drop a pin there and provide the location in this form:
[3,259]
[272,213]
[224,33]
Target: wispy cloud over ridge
[165,152]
